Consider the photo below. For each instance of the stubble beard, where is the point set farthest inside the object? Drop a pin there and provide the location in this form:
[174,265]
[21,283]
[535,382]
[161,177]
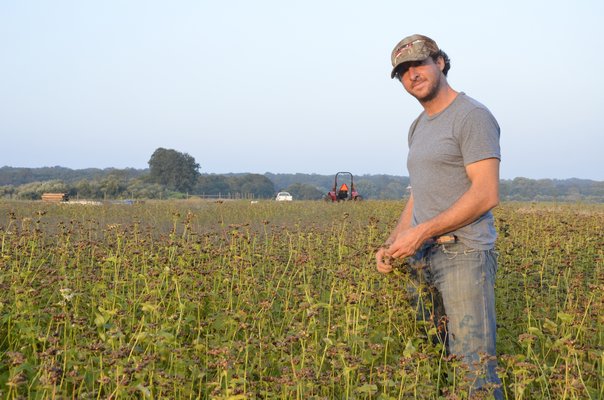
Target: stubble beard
[431,94]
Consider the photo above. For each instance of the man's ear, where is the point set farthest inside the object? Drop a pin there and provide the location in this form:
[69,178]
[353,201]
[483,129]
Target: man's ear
[440,61]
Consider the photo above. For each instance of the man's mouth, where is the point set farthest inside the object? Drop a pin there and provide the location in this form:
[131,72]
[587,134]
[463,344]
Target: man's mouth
[417,84]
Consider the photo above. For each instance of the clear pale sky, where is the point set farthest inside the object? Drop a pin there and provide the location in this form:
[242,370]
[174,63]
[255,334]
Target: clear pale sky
[291,86]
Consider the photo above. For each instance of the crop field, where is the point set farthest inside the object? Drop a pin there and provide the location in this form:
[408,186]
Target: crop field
[234,300]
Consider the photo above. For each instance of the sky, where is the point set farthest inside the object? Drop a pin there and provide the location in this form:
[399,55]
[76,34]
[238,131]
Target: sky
[287,86]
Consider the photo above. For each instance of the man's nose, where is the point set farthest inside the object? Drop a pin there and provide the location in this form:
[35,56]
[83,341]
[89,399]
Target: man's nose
[413,73]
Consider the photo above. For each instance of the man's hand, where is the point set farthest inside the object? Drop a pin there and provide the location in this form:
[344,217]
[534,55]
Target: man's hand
[383,261]
[406,243]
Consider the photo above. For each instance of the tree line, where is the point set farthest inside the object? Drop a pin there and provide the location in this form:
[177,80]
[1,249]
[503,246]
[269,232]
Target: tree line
[173,174]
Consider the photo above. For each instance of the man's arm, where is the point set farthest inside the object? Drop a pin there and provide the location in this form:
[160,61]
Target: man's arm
[404,221]
[482,196]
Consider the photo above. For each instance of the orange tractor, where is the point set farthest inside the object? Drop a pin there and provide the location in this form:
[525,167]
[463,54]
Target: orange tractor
[344,192]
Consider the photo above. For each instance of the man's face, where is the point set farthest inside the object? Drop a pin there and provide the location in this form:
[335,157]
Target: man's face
[421,79]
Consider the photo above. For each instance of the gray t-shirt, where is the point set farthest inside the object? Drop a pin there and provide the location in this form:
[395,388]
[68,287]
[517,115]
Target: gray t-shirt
[440,146]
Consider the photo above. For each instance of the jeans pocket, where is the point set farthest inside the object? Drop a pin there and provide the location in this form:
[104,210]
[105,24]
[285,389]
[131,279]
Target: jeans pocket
[448,251]
[453,250]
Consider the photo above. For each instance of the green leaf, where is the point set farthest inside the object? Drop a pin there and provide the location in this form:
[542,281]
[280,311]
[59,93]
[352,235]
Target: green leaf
[550,326]
[535,331]
[150,308]
[565,318]
[367,389]
[99,320]
[409,349]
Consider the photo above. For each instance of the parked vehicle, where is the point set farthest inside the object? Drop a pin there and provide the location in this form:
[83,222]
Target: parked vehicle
[284,196]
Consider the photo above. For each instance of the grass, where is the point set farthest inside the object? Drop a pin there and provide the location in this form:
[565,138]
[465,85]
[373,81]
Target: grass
[236,300]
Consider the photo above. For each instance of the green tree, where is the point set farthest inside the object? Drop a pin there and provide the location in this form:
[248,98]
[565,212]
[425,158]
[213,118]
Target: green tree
[368,189]
[140,189]
[7,191]
[34,190]
[173,169]
[87,189]
[113,186]
[303,191]
[254,184]
[212,185]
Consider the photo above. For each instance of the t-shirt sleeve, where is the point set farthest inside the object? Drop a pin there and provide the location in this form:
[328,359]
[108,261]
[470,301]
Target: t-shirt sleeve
[479,136]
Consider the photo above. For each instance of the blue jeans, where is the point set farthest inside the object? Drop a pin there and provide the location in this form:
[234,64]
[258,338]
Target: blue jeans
[463,279]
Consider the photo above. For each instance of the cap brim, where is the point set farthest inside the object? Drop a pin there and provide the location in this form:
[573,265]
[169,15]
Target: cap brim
[410,59]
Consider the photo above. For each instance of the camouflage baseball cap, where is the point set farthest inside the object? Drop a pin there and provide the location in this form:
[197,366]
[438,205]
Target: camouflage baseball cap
[412,48]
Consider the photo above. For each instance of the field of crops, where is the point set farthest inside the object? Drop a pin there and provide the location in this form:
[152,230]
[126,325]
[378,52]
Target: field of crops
[234,300]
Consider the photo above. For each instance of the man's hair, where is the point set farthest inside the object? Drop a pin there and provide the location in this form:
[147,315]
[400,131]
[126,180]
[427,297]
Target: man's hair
[446,59]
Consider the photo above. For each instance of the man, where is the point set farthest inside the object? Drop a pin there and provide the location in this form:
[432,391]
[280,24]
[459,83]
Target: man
[446,225]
